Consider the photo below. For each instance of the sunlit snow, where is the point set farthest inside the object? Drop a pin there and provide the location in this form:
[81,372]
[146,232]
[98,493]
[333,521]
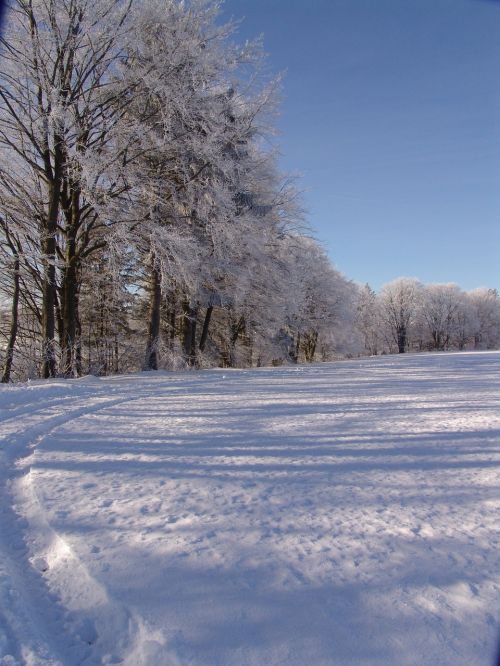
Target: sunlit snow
[344,513]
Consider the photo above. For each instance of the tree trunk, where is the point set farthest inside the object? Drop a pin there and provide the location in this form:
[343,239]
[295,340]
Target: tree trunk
[151,359]
[116,357]
[401,333]
[189,333]
[206,324]
[236,330]
[294,353]
[48,309]
[49,252]
[69,312]
[310,342]
[171,317]
[9,352]
[78,348]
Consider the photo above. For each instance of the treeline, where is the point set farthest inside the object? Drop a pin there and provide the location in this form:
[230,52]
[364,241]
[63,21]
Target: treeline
[409,316]
[144,223]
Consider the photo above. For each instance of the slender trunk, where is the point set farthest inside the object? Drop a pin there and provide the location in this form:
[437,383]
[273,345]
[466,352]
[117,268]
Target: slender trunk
[58,299]
[401,333]
[297,348]
[116,366]
[89,352]
[171,321]
[189,333]
[70,287]
[102,339]
[78,343]
[151,358]
[13,325]
[236,330]
[206,324]
[69,312]
[294,355]
[49,252]
[48,308]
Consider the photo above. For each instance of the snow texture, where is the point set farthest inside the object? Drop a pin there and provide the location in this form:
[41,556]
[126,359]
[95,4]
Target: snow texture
[344,513]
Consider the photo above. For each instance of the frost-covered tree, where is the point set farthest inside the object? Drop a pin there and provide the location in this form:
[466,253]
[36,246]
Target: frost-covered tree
[321,308]
[399,302]
[368,320]
[486,307]
[466,322]
[439,311]
[195,125]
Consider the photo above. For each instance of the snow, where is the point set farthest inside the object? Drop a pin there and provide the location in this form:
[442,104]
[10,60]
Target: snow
[343,513]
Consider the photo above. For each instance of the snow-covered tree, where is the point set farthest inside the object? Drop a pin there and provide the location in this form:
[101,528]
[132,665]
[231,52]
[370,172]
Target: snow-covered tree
[486,307]
[439,311]
[368,320]
[399,302]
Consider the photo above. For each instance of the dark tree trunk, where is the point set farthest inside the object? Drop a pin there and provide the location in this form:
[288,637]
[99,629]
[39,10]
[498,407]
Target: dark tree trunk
[70,341]
[189,333]
[9,352]
[295,351]
[172,324]
[58,299]
[49,250]
[78,346]
[151,359]
[116,357]
[69,312]
[206,324]
[171,318]
[236,330]
[310,342]
[401,333]
[48,309]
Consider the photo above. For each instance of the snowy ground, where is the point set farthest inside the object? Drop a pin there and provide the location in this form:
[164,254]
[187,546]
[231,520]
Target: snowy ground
[335,514]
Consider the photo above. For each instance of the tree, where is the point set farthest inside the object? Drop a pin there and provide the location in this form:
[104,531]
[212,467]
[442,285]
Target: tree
[193,123]
[486,306]
[440,307]
[368,319]
[399,301]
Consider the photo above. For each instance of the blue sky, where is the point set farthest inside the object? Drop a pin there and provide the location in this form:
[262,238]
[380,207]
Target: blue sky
[391,113]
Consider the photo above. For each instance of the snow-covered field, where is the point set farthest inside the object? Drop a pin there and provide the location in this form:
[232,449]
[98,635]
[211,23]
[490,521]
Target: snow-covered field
[344,513]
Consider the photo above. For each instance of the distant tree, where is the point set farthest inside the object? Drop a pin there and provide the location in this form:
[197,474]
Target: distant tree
[486,307]
[321,303]
[368,319]
[466,322]
[399,301]
[440,309]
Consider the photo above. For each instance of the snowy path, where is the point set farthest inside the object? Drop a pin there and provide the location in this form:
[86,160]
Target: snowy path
[337,514]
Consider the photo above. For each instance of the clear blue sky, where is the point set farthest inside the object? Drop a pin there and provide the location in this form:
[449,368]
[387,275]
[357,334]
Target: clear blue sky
[391,112]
